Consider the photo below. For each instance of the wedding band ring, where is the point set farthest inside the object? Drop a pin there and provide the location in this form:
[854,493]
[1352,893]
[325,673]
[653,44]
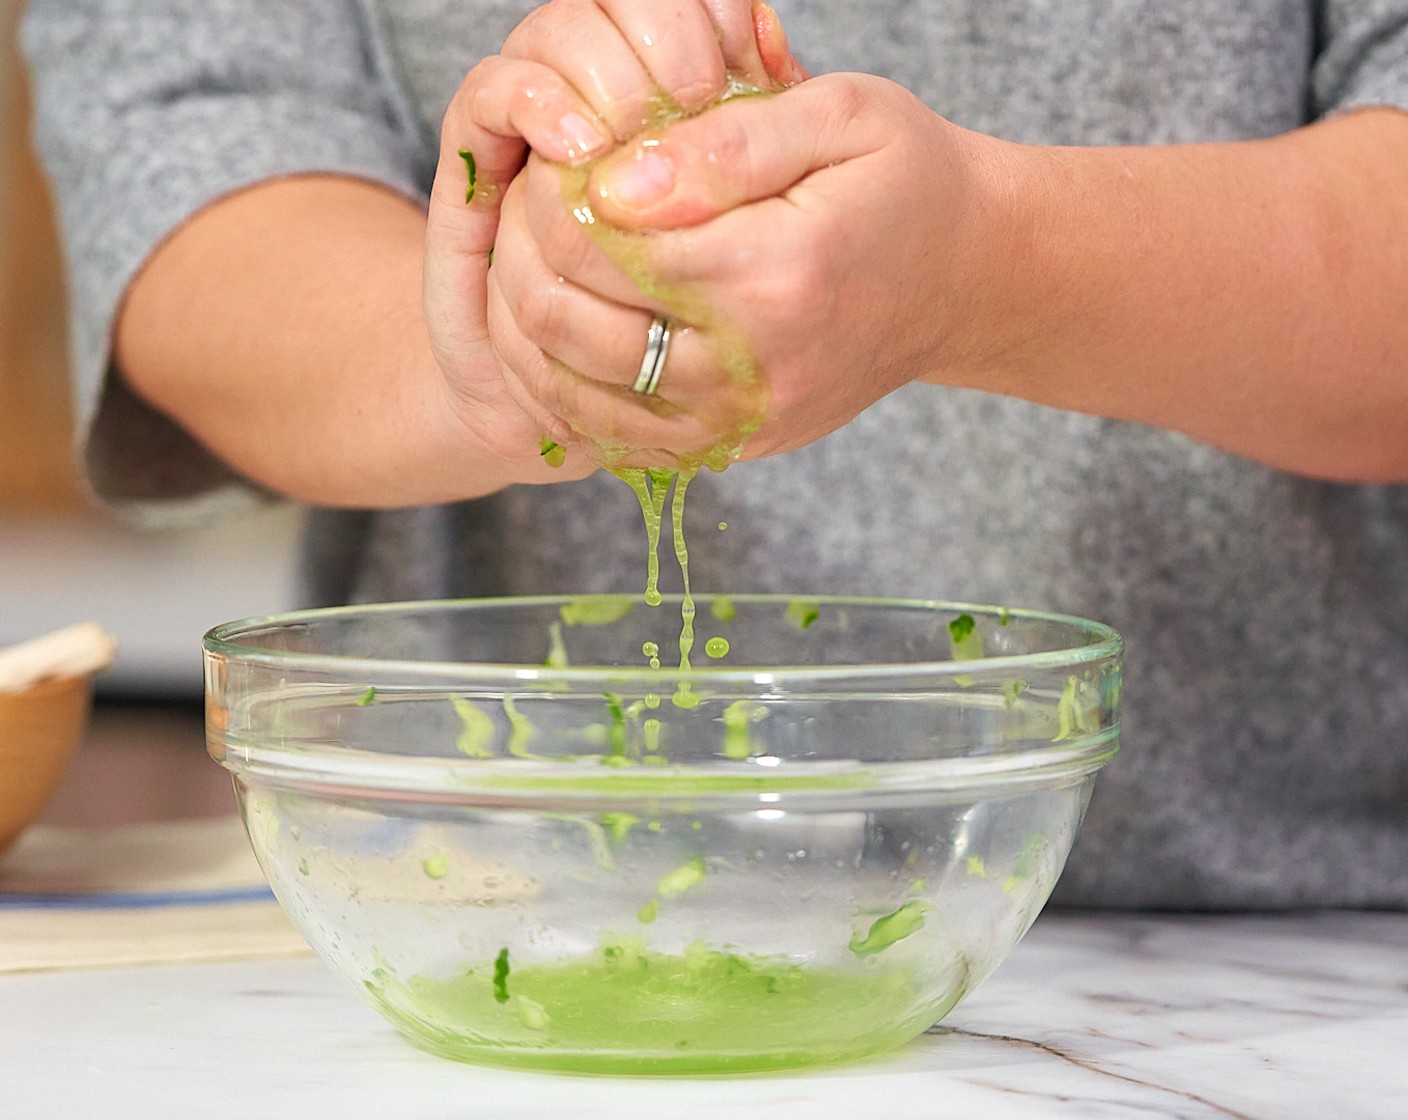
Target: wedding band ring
[657,349]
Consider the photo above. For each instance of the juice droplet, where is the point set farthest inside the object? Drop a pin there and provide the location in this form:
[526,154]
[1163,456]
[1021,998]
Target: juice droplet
[723,525]
[716,647]
[650,488]
[687,610]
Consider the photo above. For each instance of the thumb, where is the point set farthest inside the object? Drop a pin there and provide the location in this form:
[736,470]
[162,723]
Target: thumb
[744,150]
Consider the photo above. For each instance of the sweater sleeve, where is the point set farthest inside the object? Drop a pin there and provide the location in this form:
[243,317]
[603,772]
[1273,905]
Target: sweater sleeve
[1363,56]
[146,112]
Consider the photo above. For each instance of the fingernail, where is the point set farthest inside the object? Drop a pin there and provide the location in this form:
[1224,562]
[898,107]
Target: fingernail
[580,135]
[639,182]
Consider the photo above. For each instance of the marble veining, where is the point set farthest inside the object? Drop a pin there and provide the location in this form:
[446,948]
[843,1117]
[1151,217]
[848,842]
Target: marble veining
[1094,1016]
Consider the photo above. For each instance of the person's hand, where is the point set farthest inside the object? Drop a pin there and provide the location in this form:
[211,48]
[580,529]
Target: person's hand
[833,236]
[574,78]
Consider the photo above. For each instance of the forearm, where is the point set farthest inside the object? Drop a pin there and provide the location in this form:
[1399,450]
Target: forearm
[283,328]
[1251,295]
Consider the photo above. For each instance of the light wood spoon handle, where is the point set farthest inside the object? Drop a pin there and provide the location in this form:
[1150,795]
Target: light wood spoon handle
[74,651]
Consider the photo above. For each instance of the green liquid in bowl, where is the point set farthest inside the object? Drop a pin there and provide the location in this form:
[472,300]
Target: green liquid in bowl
[635,1011]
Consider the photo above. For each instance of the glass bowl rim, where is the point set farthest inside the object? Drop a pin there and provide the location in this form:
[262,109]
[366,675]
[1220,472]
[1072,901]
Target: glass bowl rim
[223,641]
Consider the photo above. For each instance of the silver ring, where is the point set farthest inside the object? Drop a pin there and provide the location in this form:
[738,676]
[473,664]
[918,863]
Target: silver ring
[657,349]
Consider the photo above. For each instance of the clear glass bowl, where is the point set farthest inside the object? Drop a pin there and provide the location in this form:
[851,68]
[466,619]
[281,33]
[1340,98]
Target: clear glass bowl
[527,847]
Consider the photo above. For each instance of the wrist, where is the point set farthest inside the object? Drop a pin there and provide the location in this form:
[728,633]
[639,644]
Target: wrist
[1000,275]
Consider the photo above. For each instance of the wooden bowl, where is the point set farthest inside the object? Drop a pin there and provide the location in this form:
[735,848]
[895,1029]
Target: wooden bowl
[39,729]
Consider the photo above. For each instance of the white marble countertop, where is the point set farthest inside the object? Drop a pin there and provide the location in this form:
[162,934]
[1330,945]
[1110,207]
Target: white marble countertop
[1092,1017]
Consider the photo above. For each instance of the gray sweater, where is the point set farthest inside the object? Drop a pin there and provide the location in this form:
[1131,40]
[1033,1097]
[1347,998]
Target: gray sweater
[1266,722]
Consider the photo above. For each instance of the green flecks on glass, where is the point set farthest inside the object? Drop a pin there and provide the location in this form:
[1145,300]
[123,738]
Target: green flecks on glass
[738,720]
[649,912]
[554,454]
[1004,616]
[436,866]
[520,730]
[619,825]
[615,731]
[501,970]
[681,879]
[596,839]
[1010,691]
[801,613]
[716,648]
[650,735]
[1025,863]
[596,610]
[531,1014]
[723,609]
[471,173]
[965,643]
[976,867]
[303,865]
[557,650]
[366,698]
[477,737]
[1066,711]
[893,927]
[1072,715]
[623,952]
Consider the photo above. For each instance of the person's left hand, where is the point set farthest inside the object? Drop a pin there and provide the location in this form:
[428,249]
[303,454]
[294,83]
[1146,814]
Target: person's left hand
[835,235]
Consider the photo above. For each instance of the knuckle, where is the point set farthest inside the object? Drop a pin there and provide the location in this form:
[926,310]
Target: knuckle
[564,247]
[538,312]
[800,291]
[703,86]
[848,99]
[529,29]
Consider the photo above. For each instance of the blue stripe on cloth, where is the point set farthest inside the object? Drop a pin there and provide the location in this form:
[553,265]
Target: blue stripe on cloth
[132,900]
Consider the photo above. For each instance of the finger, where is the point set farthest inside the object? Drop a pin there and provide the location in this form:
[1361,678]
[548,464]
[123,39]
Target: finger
[747,149]
[514,97]
[678,42]
[548,332]
[474,164]
[482,148]
[595,338]
[598,338]
[771,43]
[579,41]
[574,409]
[554,209]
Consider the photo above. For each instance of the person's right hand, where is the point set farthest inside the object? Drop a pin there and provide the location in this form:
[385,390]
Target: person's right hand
[574,79]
